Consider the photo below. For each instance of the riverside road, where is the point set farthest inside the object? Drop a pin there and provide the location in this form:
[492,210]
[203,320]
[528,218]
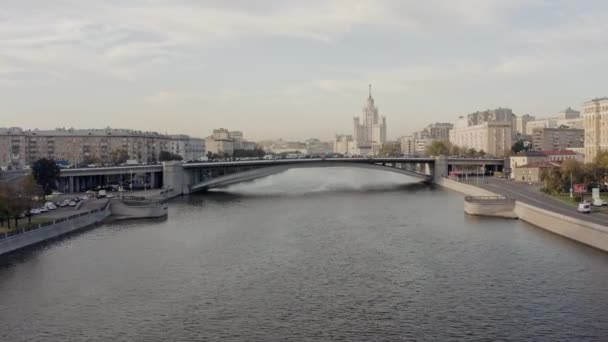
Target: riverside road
[529,194]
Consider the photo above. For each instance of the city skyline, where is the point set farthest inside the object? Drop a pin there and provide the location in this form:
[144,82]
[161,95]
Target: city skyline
[281,70]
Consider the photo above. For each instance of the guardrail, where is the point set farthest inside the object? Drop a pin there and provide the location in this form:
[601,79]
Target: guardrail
[29,228]
[488,199]
[134,201]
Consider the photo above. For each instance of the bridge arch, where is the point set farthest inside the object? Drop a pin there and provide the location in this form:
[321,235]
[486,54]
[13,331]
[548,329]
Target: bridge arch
[207,183]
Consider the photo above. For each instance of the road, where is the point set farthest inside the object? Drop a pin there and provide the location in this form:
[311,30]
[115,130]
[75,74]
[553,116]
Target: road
[531,195]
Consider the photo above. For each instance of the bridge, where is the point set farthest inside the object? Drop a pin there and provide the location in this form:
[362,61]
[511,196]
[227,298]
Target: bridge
[185,178]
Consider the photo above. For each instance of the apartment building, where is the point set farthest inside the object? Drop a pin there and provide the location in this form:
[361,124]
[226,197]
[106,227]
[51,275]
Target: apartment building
[557,138]
[595,115]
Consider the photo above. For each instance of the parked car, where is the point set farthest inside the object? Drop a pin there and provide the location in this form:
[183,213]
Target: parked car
[34,211]
[584,208]
[50,206]
[72,204]
[598,202]
[43,210]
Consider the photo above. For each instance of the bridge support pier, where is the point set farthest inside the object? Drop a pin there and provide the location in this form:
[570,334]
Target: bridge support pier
[441,168]
[175,178]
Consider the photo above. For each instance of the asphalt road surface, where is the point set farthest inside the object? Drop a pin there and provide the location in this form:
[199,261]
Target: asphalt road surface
[530,194]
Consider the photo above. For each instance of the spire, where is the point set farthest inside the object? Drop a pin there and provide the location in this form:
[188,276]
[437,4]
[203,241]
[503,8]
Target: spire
[370,90]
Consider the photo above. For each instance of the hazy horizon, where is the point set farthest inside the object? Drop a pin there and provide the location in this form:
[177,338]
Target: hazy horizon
[285,69]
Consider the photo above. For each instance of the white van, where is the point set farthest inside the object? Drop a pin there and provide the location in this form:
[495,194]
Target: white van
[584,208]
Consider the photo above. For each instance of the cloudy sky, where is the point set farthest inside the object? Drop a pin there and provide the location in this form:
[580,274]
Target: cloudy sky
[293,69]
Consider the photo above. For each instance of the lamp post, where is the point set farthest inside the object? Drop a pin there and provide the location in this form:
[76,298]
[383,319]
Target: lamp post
[571,185]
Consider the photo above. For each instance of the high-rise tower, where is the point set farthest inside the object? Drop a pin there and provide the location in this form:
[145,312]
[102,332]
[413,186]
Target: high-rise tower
[370,128]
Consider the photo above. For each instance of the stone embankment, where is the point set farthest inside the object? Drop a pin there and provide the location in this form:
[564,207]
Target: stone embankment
[591,234]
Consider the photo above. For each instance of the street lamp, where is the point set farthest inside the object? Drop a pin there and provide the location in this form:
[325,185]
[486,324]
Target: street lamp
[571,185]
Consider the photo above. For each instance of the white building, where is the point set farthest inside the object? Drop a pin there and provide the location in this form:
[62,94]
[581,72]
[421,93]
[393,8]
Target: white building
[344,144]
[494,138]
[223,141]
[595,114]
[187,147]
[522,123]
[369,129]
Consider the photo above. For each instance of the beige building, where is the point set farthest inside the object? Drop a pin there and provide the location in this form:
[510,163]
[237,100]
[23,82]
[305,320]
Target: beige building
[532,172]
[187,147]
[369,130]
[493,137]
[19,147]
[530,157]
[344,144]
[557,138]
[522,122]
[223,141]
[595,114]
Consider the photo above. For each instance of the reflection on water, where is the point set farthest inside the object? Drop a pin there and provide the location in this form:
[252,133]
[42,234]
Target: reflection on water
[316,255]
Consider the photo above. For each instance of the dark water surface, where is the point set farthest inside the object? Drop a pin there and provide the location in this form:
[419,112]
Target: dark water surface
[308,256]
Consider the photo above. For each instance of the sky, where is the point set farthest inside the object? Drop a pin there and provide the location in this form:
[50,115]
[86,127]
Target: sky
[293,69]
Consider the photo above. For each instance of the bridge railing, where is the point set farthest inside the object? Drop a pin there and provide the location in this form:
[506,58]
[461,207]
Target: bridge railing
[488,199]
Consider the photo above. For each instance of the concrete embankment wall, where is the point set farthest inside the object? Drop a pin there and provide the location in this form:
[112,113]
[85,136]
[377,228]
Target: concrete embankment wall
[121,211]
[591,234]
[582,231]
[41,234]
[466,189]
[505,209]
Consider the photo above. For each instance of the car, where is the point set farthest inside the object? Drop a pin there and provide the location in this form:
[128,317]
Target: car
[584,208]
[72,204]
[43,210]
[85,197]
[598,202]
[50,206]
[34,211]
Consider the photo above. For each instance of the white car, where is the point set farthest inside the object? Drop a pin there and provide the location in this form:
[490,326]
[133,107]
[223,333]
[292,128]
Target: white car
[34,211]
[43,210]
[72,204]
[598,202]
[584,208]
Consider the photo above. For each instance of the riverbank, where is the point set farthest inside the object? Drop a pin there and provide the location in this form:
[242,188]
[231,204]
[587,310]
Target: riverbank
[592,234]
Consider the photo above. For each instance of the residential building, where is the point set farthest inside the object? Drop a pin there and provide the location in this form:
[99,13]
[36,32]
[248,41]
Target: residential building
[595,114]
[568,113]
[344,144]
[223,141]
[532,172]
[437,131]
[540,123]
[187,147]
[493,137]
[532,157]
[369,129]
[408,146]
[522,122]
[19,147]
[557,138]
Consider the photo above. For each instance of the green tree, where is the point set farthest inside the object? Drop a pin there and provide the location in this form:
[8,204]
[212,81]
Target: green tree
[46,172]
[438,148]
[168,156]
[28,192]
[521,145]
[119,156]
[390,149]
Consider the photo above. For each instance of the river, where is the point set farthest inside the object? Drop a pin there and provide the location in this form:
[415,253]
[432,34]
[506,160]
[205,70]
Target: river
[309,255]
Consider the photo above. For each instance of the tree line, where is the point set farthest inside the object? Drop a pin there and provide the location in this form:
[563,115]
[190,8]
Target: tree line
[594,174]
[442,147]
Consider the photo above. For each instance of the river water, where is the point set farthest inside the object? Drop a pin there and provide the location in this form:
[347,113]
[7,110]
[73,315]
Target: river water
[309,255]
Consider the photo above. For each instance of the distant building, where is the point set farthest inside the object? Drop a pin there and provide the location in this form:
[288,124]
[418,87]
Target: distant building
[344,144]
[557,138]
[435,131]
[532,172]
[187,147]
[595,114]
[369,129]
[223,141]
[527,158]
[540,123]
[408,146]
[493,137]
[19,148]
[522,122]
[493,115]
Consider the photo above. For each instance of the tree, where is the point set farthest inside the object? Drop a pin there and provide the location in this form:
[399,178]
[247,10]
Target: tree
[390,149]
[168,156]
[438,148]
[28,192]
[4,203]
[46,172]
[119,156]
[521,145]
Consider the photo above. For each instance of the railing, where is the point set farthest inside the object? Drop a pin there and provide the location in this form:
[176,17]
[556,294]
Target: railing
[488,199]
[135,201]
[29,228]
